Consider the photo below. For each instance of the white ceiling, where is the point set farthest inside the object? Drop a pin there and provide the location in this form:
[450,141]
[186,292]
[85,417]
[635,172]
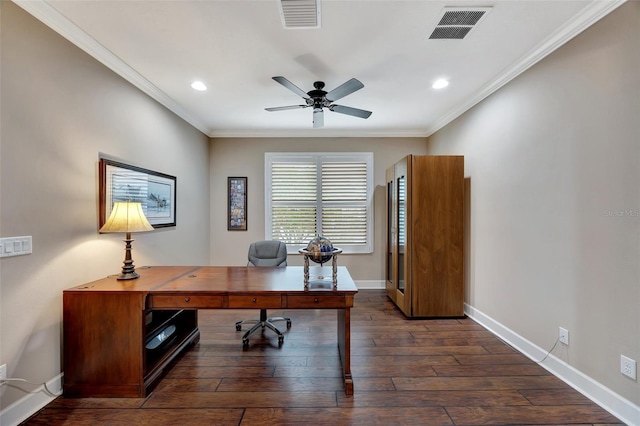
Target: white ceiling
[236,46]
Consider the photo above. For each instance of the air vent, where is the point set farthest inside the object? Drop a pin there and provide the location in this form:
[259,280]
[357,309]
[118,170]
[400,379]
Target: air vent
[299,14]
[455,23]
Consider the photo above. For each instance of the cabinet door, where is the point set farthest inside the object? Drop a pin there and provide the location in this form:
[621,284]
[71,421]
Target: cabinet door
[402,172]
[392,246]
[397,236]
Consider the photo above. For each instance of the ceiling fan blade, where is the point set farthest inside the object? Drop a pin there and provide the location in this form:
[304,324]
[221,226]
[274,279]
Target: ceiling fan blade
[318,118]
[344,89]
[282,108]
[350,111]
[289,85]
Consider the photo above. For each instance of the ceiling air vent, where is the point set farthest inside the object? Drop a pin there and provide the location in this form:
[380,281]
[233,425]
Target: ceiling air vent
[297,14]
[454,23]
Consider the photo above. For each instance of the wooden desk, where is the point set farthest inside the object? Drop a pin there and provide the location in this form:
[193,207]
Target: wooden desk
[108,324]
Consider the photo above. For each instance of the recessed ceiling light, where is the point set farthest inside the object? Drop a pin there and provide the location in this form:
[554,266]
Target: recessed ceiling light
[440,84]
[199,86]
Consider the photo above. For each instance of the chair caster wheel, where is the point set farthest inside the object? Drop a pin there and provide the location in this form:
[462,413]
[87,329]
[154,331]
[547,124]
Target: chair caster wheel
[238,327]
[245,342]
[280,340]
[288,323]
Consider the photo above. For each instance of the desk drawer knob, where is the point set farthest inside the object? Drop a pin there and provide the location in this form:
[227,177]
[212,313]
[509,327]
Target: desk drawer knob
[315,300]
[254,300]
[187,299]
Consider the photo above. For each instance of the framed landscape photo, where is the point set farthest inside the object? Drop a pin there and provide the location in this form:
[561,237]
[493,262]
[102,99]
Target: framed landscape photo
[237,202]
[154,190]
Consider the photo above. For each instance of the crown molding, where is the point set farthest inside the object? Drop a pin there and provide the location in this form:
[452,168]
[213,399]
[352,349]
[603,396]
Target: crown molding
[49,16]
[592,13]
[317,133]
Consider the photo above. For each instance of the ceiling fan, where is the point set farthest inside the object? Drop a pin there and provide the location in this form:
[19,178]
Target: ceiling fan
[319,99]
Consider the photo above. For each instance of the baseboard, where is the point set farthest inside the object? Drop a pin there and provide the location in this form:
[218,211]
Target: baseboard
[615,404]
[370,284]
[30,404]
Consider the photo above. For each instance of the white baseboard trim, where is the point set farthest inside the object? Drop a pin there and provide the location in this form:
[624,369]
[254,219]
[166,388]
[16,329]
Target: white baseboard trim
[30,404]
[615,404]
[370,284]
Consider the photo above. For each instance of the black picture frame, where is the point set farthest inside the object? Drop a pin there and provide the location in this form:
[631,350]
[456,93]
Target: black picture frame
[237,204]
[123,182]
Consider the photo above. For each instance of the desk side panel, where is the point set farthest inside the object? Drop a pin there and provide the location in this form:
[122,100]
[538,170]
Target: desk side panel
[103,350]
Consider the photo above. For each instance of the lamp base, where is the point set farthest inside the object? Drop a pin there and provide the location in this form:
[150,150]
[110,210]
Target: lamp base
[128,270]
[127,276]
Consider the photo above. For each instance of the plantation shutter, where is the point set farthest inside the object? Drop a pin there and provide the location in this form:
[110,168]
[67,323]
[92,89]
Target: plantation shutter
[344,202]
[328,194]
[293,195]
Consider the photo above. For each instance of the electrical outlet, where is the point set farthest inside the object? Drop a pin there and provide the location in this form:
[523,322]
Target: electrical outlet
[563,335]
[628,367]
[3,373]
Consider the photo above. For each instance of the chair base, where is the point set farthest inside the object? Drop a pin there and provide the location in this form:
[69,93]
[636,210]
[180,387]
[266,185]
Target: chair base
[261,324]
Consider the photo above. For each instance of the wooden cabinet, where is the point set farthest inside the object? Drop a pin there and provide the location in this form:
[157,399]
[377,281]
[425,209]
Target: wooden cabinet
[114,344]
[424,258]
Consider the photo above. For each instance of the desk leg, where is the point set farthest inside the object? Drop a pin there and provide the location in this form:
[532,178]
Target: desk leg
[344,345]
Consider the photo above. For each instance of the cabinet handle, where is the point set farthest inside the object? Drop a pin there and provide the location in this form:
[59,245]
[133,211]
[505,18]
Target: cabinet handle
[315,300]
[187,299]
[254,300]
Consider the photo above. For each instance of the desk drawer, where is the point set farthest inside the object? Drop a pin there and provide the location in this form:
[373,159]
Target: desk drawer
[257,302]
[185,301]
[306,302]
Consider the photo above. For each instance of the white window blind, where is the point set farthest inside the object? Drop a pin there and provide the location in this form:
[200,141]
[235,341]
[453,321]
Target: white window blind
[328,194]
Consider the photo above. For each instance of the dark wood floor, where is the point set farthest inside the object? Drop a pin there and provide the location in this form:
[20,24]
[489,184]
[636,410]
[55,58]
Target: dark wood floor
[406,372]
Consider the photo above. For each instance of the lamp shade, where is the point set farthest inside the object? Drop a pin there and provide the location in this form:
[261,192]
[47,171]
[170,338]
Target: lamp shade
[126,217]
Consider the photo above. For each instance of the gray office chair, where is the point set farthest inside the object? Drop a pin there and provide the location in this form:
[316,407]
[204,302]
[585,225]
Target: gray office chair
[265,253]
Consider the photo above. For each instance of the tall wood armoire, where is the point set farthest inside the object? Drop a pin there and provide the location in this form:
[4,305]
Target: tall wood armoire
[425,196]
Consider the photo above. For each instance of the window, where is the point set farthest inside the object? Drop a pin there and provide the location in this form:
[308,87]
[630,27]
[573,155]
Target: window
[328,194]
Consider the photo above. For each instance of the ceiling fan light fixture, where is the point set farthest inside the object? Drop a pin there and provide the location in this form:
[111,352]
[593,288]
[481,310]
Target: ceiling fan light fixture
[440,83]
[319,99]
[199,86]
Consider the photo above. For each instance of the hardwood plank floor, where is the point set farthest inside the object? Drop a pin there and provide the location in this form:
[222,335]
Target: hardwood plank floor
[406,372]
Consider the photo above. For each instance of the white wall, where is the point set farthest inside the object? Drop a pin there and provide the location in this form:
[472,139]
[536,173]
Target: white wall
[245,157]
[60,109]
[553,161]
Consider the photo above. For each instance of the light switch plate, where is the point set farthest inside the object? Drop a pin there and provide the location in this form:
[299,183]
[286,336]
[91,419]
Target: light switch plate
[15,246]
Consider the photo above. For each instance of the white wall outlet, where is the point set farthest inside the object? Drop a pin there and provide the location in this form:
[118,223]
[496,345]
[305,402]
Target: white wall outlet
[3,373]
[563,335]
[628,367]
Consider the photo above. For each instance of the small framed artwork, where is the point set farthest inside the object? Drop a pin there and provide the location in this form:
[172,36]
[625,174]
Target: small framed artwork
[154,190]
[237,200]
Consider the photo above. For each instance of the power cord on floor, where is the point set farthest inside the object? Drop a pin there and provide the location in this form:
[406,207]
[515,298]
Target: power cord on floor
[43,386]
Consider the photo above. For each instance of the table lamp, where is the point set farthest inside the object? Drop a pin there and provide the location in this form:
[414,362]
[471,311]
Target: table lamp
[127,217]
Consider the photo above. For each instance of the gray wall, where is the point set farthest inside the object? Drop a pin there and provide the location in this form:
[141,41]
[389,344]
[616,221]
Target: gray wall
[60,109]
[553,161]
[245,157]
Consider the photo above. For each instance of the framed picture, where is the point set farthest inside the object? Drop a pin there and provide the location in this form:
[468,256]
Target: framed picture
[123,182]
[237,201]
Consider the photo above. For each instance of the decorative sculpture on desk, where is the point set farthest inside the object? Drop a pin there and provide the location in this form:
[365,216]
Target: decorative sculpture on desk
[320,250]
